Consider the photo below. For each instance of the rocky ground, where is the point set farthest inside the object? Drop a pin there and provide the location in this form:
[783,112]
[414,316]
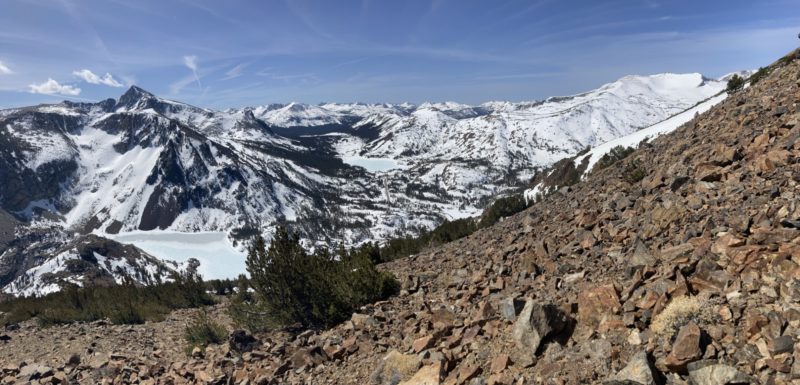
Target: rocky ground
[677,265]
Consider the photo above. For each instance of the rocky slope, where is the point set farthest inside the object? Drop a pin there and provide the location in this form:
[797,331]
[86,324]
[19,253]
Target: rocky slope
[677,265]
[147,164]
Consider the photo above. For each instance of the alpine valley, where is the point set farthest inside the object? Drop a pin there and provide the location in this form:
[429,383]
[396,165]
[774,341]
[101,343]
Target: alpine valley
[82,180]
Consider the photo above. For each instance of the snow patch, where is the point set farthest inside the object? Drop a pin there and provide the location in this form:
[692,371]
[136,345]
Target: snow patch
[218,258]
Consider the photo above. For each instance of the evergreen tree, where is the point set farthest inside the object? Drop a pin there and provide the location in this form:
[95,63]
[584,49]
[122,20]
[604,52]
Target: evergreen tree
[312,290]
[735,83]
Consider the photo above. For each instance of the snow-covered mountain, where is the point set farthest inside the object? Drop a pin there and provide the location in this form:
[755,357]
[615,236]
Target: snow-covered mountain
[144,163]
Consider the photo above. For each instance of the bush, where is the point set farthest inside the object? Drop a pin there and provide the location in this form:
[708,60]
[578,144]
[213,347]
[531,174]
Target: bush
[502,208]
[122,304]
[633,172]
[448,231]
[615,155]
[313,290]
[677,313]
[203,332]
[760,74]
[735,83]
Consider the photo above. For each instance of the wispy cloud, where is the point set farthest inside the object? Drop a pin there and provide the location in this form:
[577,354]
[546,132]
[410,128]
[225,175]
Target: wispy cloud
[652,4]
[304,78]
[234,72]
[179,85]
[4,70]
[190,61]
[52,87]
[534,75]
[90,77]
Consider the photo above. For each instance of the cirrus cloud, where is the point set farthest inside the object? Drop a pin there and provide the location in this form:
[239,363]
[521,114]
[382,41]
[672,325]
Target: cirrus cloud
[90,77]
[190,61]
[52,87]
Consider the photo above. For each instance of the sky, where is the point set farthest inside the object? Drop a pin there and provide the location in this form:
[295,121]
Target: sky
[221,54]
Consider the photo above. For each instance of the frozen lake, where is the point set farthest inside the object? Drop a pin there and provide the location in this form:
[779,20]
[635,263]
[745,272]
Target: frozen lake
[371,164]
[218,258]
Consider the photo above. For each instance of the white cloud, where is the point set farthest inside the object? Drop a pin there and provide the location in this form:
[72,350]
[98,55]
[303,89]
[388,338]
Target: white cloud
[4,70]
[90,77]
[179,85]
[51,87]
[190,61]
[234,72]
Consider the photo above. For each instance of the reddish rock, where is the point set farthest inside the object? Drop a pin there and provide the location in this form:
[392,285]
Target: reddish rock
[500,363]
[427,375]
[422,343]
[596,304]
[685,349]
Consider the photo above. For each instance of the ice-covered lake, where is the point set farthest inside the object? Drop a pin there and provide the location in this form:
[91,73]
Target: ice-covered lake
[218,258]
[371,164]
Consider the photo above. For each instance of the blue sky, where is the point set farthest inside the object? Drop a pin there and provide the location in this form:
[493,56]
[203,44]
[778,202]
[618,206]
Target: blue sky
[223,54]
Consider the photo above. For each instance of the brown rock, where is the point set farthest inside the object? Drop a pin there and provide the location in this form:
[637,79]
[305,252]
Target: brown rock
[427,375]
[467,372]
[708,172]
[685,349]
[395,365]
[596,304]
[422,343]
[500,363]
[362,321]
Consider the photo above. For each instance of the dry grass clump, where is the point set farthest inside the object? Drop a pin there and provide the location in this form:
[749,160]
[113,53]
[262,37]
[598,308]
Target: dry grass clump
[395,367]
[678,312]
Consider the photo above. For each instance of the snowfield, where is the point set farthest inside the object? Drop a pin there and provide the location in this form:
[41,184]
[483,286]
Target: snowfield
[648,133]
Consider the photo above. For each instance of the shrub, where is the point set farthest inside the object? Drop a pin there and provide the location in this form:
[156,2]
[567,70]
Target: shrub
[758,75]
[449,231]
[677,313]
[202,331]
[615,155]
[633,172]
[735,83]
[502,208]
[312,290]
[122,304]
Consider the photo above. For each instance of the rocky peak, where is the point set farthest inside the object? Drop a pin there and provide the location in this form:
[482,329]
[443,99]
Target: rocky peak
[133,97]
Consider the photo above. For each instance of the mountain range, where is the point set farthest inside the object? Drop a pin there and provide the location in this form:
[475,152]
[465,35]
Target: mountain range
[77,175]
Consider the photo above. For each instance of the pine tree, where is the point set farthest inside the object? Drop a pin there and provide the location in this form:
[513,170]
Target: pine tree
[312,290]
[735,83]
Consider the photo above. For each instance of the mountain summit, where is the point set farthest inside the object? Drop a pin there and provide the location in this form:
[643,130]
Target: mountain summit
[133,97]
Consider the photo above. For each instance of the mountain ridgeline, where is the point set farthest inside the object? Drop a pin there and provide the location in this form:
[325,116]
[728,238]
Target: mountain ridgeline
[72,171]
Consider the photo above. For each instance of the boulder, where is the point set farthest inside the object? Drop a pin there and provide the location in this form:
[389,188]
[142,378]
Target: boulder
[783,344]
[427,375]
[685,349]
[422,343]
[395,367]
[639,370]
[596,304]
[709,372]
[536,322]
[241,341]
[510,307]
[500,363]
